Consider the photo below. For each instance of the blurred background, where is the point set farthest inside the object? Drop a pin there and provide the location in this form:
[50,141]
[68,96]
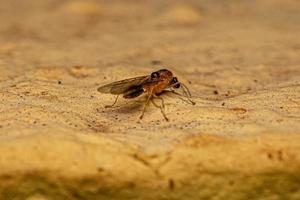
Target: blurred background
[195,37]
[135,32]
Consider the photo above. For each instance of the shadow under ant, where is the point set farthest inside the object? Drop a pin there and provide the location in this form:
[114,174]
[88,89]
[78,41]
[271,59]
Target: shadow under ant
[135,106]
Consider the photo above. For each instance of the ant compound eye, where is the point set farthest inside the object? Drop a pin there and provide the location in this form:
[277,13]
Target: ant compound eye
[155,75]
[174,81]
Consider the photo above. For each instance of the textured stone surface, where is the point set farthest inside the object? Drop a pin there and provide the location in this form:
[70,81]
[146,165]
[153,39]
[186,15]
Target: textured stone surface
[240,60]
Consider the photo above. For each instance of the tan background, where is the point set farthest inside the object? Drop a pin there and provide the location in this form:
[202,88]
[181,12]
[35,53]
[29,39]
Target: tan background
[240,59]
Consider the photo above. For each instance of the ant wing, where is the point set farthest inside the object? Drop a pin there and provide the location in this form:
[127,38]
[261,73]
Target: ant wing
[123,86]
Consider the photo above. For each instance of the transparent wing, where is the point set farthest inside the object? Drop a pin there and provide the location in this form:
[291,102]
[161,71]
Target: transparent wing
[123,86]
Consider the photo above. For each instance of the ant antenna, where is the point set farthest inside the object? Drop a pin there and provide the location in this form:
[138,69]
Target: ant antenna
[187,93]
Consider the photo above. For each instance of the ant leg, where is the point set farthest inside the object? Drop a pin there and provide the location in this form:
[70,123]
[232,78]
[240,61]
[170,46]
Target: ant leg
[146,103]
[162,108]
[162,101]
[110,106]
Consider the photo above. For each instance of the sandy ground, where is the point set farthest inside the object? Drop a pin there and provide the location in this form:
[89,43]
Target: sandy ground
[240,59]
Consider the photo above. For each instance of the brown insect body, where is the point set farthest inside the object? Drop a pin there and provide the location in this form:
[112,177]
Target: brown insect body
[153,85]
[165,77]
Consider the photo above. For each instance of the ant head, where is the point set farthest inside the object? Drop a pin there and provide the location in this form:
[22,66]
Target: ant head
[175,82]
